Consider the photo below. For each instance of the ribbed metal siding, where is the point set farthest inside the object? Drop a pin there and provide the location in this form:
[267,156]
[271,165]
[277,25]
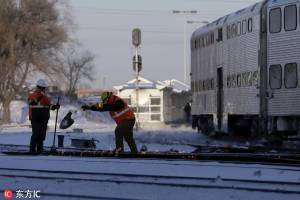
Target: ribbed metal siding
[283,48]
[202,69]
[236,56]
[241,55]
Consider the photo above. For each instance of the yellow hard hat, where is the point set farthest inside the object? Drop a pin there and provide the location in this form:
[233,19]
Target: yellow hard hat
[105,95]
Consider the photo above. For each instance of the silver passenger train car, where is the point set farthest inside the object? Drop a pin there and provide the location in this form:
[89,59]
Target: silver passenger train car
[245,70]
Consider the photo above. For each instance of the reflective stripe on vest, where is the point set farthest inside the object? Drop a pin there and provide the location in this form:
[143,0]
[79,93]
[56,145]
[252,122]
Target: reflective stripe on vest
[122,114]
[38,106]
[118,114]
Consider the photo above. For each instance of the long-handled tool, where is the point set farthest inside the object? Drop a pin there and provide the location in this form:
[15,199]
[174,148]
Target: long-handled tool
[53,149]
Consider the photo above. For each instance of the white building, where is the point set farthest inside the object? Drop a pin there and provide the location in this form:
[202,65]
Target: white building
[159,102]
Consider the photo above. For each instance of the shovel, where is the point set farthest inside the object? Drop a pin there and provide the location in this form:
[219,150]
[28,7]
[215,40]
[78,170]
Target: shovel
[67,121]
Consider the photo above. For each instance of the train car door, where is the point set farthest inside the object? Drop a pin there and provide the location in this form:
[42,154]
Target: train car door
[220,97]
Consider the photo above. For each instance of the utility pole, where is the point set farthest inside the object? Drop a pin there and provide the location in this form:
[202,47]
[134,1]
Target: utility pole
[184,12]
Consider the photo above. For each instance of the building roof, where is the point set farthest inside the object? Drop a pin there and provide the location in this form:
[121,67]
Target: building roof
[175,85]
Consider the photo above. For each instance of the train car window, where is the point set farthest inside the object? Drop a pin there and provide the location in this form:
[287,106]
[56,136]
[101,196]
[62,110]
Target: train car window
[255,78]
[228,81]
[290,75]
[249,78]
[233,30]
[195,44]
[244,27]
[275,76]
[290,18]
[212,37]
[206,40]
[208,84]
[250,25]
[239,80]
[275,20]
[244,79]
[233,81]
[212,83]
[220,35]
[239,29]
[228,32]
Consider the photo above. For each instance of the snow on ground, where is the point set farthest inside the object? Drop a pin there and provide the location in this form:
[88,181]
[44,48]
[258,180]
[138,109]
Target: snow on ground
[104,136]
[100,127]
[109,178]
[115,178]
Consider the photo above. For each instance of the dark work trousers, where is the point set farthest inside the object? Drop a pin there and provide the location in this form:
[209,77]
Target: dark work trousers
[38,136]
[125,130]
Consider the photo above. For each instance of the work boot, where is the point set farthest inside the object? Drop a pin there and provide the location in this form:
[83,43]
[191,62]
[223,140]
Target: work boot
[118,151]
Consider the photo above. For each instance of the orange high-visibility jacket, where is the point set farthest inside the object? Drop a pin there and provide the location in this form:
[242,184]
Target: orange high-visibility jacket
[123,114]
[39,106]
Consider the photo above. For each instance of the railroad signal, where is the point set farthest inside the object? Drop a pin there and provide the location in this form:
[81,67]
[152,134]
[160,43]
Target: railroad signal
[136,37]
[137,62]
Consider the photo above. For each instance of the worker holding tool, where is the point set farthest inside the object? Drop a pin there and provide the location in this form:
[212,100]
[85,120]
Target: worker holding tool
[122,115]
[39,114]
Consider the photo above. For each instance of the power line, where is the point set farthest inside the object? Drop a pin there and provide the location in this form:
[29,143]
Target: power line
[126,11]
[139,12]
[127,30]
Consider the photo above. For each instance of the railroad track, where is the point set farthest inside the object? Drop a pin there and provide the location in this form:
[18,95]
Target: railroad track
[242,165]
[59,183]
[291,159]
[283,187]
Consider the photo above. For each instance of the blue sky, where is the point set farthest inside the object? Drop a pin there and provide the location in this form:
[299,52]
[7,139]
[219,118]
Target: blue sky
[104,28]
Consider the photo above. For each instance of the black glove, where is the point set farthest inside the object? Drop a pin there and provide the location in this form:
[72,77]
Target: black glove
[85,107]
[56,106]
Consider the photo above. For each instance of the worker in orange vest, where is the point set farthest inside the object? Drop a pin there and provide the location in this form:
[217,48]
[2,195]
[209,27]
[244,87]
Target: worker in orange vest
[122,115]
[39,113]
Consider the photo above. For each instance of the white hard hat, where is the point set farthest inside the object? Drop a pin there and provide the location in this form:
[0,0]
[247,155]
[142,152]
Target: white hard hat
[41,83]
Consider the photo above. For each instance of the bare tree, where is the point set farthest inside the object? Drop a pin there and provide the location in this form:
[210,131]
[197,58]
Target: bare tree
[79,67]
[32,34]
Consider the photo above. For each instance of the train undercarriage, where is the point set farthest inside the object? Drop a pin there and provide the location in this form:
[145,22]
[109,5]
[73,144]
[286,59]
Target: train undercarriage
[248,125]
